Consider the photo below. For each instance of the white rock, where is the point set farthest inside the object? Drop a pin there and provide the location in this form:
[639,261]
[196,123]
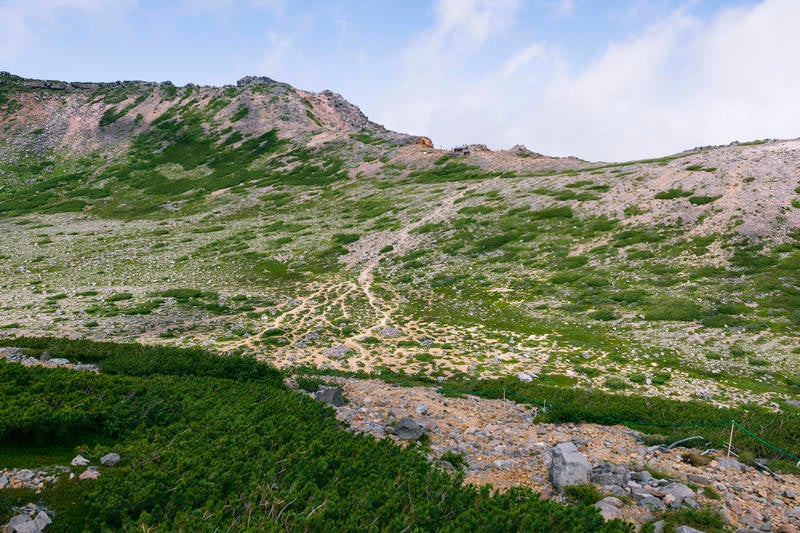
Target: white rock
[79,460]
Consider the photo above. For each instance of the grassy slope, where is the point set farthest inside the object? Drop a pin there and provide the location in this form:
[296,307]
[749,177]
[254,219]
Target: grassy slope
[253,225]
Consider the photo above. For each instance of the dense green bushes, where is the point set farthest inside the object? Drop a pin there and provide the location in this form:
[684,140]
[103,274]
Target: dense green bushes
[220,444]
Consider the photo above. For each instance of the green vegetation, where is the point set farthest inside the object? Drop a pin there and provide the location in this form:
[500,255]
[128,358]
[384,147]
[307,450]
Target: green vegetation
[702,200]
[195,460]
[671,194]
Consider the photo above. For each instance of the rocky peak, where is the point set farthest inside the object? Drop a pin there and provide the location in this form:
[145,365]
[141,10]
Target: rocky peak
[349,113]
[251,81]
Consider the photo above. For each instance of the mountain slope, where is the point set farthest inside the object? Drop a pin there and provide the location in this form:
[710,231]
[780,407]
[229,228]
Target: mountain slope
[259,218]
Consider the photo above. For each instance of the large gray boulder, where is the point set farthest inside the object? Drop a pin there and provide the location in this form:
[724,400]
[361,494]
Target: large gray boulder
[330,395]
[569,466]
[408,429]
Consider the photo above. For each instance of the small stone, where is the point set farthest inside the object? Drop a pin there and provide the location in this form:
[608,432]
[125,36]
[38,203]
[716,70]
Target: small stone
[89,474]
[698,480]
[642,477]
[526,377]
[422,410]
[110,459]
[607,511]
[668,499]
[79,460]
[645,499]
[611,500]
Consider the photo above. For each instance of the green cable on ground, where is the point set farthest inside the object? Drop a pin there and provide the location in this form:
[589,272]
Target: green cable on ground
[762,441]
[661,424]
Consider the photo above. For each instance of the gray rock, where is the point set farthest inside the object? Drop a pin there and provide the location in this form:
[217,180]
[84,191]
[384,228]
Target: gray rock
[698,480]
[3,481]
[41,521]
[330,395]
[645,499]
[569,466]
[408,429]
[79,460]
[642,477]
[422,410]
[23,523]
[608,474]
[18,523]
[25,475]
[611,500]
[58,361]
[526,377]
[730,464]
[339,351]
[691,503]
[679,491]
[659,526]
[607,510]
[110,459]
[89,473]
[390,333]
[687,529]
[793,403]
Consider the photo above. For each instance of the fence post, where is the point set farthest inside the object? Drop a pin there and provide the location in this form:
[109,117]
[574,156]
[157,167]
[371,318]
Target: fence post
[730,439]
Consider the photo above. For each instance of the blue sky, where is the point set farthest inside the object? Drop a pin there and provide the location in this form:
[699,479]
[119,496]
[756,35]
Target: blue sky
[604,80]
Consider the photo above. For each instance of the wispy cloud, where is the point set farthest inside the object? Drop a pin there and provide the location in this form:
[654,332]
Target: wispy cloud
[522,58]
[279,45]
[681,82]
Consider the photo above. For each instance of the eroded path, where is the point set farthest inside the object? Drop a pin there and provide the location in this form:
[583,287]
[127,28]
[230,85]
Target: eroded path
[402,240]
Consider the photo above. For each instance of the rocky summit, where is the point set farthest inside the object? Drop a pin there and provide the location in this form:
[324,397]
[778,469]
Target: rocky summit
[578,318]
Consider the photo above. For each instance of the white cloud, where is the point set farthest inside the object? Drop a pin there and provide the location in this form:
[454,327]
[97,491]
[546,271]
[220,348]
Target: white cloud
[522,58]
[23,18]
[279,45]
[684,81]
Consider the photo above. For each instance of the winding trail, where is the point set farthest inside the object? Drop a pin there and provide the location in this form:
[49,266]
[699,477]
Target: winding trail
[401,242]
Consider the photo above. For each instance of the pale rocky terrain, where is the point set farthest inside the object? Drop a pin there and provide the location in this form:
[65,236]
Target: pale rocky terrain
[504,445]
